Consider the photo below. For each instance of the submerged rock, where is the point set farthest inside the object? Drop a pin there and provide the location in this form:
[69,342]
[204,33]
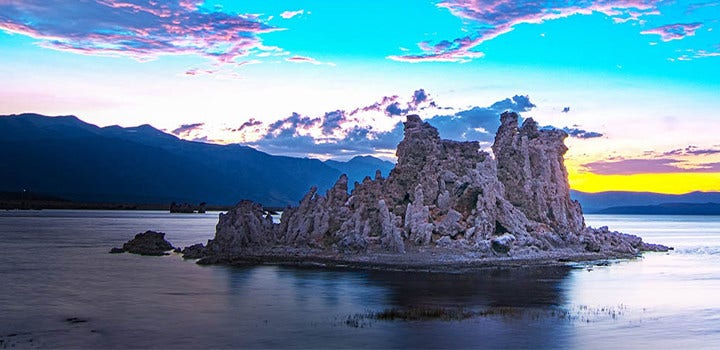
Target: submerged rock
[146,243]
[445,201]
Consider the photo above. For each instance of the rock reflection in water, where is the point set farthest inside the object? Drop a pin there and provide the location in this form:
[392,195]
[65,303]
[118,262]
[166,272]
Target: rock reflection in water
[312,306]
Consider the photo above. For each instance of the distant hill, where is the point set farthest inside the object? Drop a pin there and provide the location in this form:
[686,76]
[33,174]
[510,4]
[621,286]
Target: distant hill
[666,209]
[74,160]
[360,167]
[596,202]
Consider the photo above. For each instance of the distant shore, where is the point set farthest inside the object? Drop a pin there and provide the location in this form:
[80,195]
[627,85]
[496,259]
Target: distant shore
[69,205]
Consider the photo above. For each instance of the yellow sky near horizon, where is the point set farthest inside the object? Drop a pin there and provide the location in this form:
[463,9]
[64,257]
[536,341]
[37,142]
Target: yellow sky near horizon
[668,183]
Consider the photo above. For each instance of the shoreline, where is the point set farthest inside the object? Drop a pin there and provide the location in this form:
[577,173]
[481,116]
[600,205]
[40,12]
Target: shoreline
[418,262]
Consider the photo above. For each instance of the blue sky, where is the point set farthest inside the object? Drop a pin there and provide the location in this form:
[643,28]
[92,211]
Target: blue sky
[326,78]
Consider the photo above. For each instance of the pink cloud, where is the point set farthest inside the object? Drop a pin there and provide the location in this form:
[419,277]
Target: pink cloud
[675,31]
[497,17]
[141,29]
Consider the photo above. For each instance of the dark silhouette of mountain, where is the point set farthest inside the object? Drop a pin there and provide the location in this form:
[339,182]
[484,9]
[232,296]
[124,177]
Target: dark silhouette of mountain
[68,158]
[359,167]
[666,209]
[28,196]
[595,202]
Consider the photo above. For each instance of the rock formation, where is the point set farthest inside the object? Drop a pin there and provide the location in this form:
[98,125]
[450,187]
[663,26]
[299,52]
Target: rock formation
[146,243]
[443,199]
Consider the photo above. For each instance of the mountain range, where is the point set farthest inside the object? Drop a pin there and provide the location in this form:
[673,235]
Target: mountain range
[598,202]
[67,158]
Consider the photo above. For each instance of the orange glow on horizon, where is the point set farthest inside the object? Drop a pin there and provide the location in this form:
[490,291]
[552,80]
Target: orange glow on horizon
[668,183]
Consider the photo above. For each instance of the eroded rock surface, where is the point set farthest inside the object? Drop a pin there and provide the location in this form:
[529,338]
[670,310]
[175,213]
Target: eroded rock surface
[444,197]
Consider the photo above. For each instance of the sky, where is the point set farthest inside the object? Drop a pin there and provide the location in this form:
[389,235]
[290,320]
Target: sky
[635,84]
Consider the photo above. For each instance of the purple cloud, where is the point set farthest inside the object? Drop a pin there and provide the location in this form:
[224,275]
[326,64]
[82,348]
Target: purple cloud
[141,29]
[709,167]
[675,31]
[185,129]
[373,129]
[491,18]
[581,134]
[248,124]
[377,106]
[691,151]
[291,125]
[649,166]
[634,166]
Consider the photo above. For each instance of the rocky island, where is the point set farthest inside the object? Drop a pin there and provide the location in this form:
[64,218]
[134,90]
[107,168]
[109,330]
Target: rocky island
[445,205]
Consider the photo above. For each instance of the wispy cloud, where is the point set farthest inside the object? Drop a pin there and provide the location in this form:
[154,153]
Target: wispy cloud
[675,31]
[691,151]
[291,14]
[691,54]
[696,6]
[489,19]
[186,129]
[633,166]
[304,59]
[140,29]
[690,159]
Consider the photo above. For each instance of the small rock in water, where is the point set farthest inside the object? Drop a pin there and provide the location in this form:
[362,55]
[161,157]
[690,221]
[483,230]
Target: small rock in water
[146,243]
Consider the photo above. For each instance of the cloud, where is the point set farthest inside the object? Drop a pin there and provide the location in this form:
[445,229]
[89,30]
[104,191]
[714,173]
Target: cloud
[185,129]
[250,123]
[377,106]
[458,50]
[341,133]
[696,6]
[709,167]
[140,29]
[691,151]
[492,18]
[581,134]
[303,59]
[675,31]
[372,129]
[649,166]
[291,14]
[517,103]
[634,166]
[478,123]
[694,54]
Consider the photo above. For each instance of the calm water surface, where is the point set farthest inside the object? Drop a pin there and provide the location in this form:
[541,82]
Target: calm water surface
[60,288]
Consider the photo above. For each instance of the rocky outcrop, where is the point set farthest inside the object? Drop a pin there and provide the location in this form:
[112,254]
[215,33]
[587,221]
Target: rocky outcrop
[195,251]
[444,200]
[146,243]
[531,167]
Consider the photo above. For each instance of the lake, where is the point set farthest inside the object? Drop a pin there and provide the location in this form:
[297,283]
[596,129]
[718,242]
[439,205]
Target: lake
[61,289]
